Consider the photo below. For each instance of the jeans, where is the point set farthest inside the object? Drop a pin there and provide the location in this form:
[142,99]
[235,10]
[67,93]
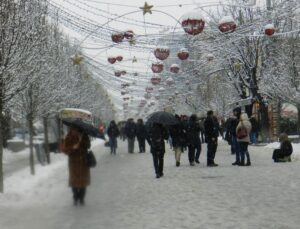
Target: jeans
[113,145]
[211,152]
[253,137]
[244,151]
[131,145]
[158,162]
[142,143]
[236,148]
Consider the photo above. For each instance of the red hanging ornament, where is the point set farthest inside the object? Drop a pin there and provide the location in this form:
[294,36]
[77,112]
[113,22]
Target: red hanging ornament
[269,30]
[174,68]
[117,37]
[227,24]
[119,58]
[111,60]
[193,22]
[157,67]
[162,53]
[183,54]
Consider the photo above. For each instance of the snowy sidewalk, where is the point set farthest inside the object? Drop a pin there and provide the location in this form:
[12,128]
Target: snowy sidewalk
[125,195]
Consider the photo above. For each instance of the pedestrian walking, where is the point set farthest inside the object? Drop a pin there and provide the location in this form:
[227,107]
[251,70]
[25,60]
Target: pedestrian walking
[141,135]
[193,140]
[76,145]
[211,127]
[232,129]
[113,133]
[130,131]
[243,131]
[177,134]
[254,130]
[156,137]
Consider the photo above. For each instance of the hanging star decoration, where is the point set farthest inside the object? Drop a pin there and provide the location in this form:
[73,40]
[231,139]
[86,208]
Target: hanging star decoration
[77,59]
[146,8]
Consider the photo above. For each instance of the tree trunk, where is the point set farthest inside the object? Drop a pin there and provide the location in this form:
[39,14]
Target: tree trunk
[1,154]
[46,141]
[31,157]
[264,122]
[298,120]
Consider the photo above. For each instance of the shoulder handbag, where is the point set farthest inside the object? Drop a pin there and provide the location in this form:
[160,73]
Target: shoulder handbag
[242,132]
[91,159]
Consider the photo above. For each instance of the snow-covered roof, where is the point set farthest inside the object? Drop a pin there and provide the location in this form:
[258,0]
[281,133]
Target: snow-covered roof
[192,15]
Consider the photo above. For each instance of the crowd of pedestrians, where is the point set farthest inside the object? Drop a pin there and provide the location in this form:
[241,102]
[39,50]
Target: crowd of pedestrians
[188,134]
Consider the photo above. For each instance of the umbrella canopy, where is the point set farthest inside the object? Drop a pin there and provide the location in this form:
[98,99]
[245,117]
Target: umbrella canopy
[85,127]
[162,117]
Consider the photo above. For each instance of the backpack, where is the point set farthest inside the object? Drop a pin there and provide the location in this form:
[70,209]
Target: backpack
[242,132]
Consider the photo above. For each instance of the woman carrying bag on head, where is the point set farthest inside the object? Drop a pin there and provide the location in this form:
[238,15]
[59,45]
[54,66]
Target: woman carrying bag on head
[242,131]
[76,145]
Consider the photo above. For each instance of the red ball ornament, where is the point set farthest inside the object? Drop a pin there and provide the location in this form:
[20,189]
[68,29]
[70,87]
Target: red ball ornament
[157,67]
[227,24]
[129,34]
[162,53]
[155,80]
[119,58]
[112,60]
[183,54]
[174,68]
[193,22]
[269,29]
[118,73]
[117,37]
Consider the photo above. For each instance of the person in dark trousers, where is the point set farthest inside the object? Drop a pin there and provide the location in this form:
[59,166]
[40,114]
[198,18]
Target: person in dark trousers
[130,131]
[141,135]
[177,133]
[193,140]
[76,145]
[244,139]
[232,128]
[254,130]
[228,135]
[156,137]
[113,132]
[285,151]
[211,127]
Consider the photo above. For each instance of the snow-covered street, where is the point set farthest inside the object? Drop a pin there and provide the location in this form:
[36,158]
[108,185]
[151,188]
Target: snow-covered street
[124,194]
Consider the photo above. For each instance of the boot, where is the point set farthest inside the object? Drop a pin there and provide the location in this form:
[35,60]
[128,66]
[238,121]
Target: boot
[236,163]
[248,163]
[242,163]
[177,163]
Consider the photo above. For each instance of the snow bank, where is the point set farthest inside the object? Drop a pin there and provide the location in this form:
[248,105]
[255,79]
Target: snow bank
[22,188]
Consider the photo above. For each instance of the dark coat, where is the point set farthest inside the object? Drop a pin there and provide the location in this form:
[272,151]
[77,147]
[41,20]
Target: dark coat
[286,149]
[140,131]
[211,127]
[178,135]
[130,129]
[193,133]
[79,172]
[232,125]
[113,131]
[254,124]
[156,137]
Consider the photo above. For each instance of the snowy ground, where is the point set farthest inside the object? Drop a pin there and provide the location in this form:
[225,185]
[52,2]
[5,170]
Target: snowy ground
[124,194]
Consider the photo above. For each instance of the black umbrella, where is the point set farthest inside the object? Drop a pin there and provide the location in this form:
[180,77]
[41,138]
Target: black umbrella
[85,127]
[162,117]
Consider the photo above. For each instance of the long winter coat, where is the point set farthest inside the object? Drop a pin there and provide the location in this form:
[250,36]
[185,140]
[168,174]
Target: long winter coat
[130,129]
[193,133]
[79,172]
[244,121]
[156,137]
[113,131]
[140,131]
[211,128]
[177,134]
